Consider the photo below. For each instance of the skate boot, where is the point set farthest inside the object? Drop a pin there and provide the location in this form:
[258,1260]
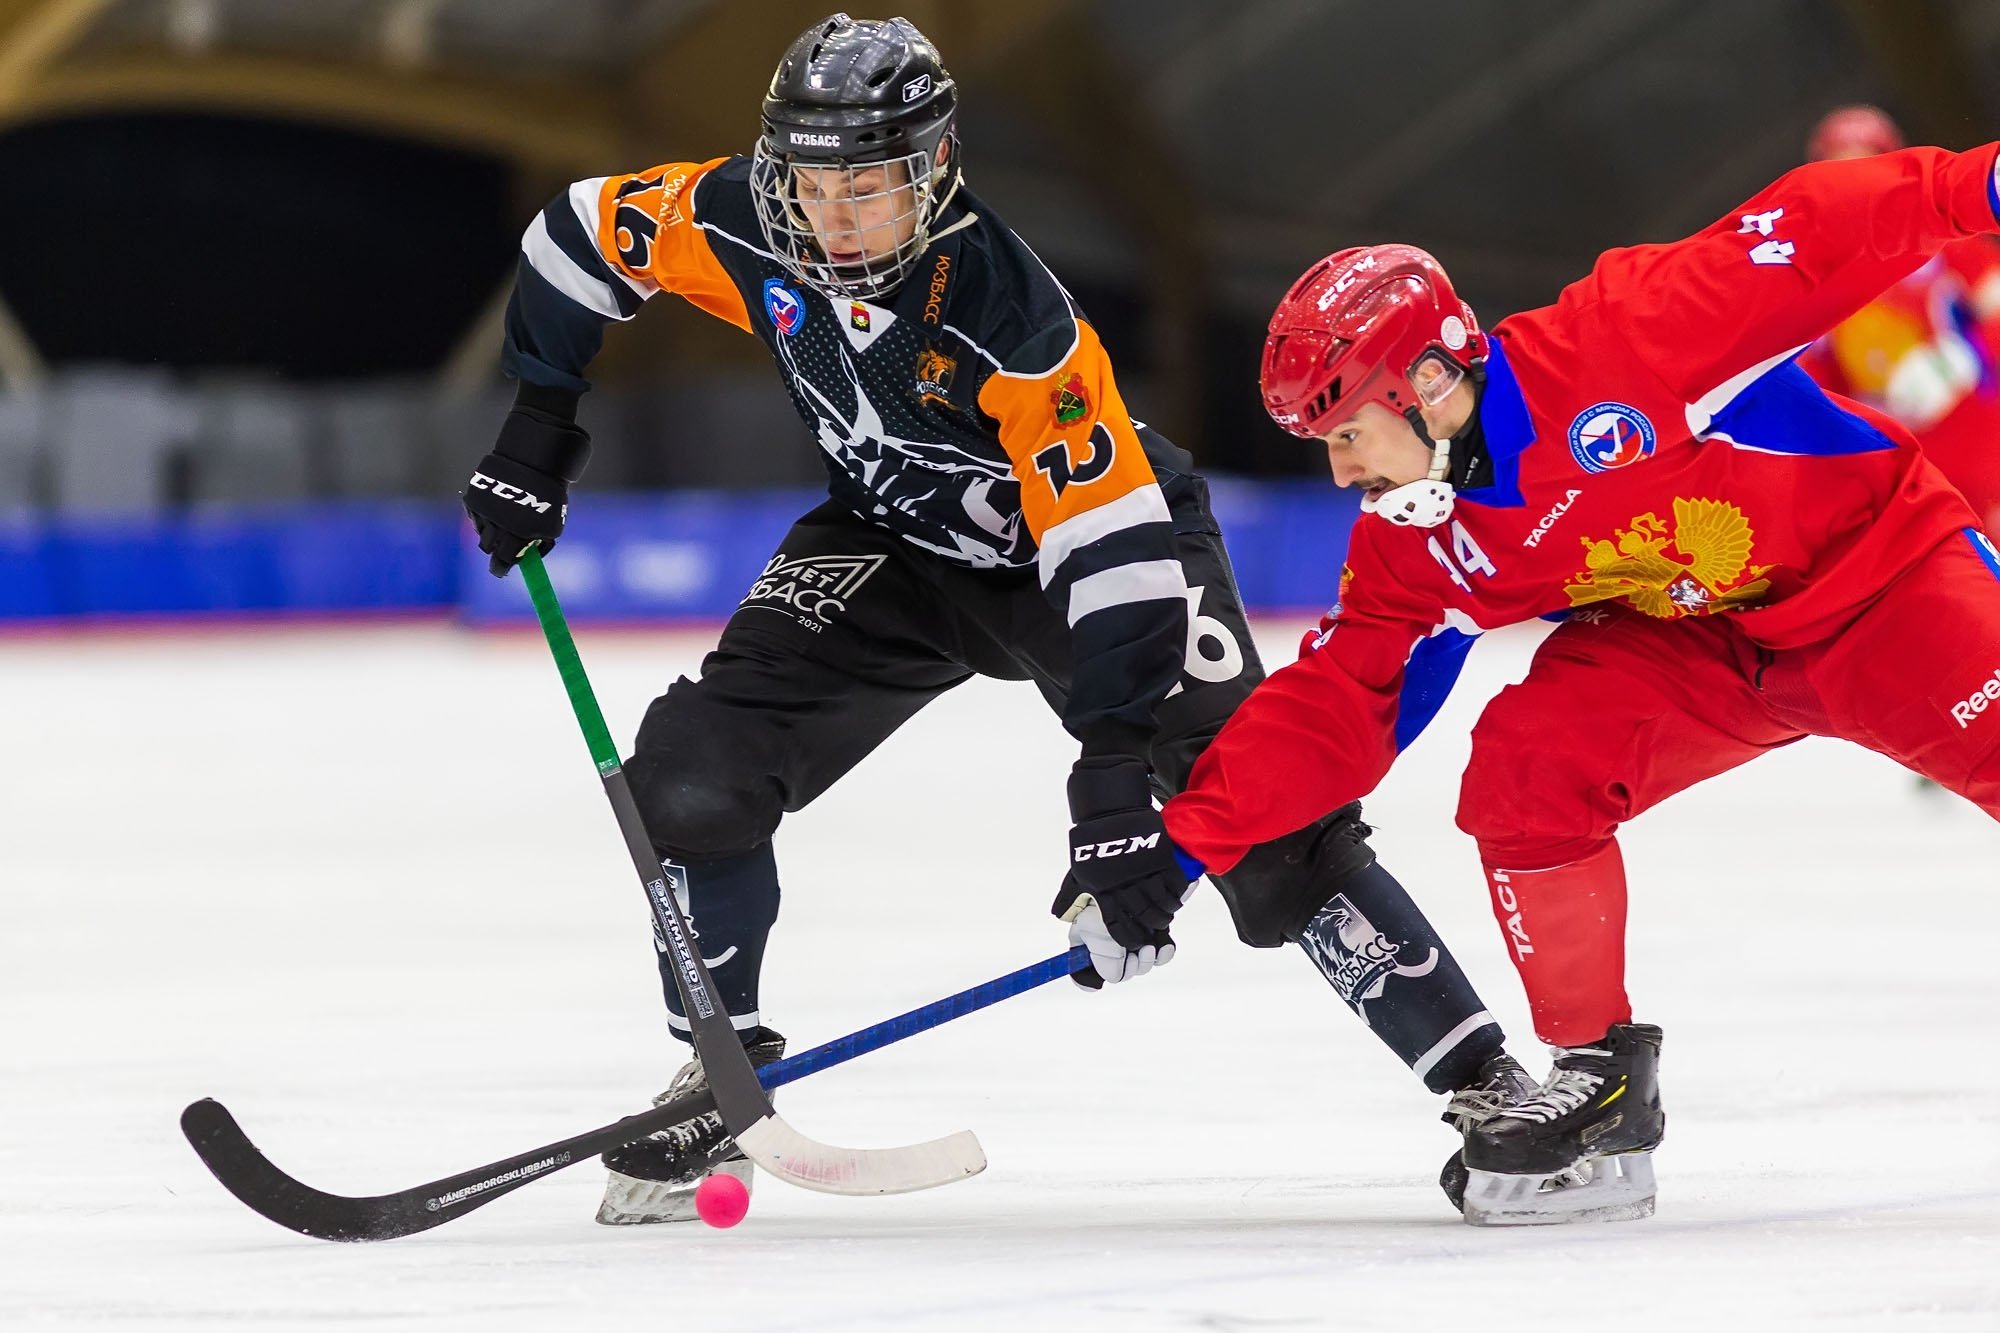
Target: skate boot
[1500,1083]
[1578,1150]
[654,1179]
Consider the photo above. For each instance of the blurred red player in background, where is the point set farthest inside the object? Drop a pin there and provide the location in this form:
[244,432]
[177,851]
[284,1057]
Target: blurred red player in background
[1926,351]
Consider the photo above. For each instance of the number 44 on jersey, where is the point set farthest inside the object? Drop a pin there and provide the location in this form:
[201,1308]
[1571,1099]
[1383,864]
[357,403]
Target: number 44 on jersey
[1464,558]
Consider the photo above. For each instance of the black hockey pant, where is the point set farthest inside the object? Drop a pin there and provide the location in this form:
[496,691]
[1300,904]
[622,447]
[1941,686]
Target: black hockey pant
[851,629]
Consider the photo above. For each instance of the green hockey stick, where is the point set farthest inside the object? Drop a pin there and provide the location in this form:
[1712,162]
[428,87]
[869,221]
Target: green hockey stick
[759,1131]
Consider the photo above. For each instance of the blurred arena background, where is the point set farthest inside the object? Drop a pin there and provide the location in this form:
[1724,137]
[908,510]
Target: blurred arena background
[254,252]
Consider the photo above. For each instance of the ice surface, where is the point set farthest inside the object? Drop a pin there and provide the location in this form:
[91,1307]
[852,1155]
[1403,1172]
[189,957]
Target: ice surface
[363,886]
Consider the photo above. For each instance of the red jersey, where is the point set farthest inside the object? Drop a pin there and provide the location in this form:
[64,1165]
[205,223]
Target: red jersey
[1926,345]
[1653,441]
[1924,351]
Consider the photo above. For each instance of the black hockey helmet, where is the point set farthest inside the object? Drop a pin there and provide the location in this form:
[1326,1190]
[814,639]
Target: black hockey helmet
[857,158]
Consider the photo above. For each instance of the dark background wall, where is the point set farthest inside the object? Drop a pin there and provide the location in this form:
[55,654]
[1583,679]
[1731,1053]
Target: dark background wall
[282,195]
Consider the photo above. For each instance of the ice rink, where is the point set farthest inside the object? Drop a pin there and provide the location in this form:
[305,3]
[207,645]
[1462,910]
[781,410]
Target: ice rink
[363,886]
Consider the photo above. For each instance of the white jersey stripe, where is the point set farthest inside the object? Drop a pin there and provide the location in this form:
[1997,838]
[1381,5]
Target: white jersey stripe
[583,203]
[562,272]
[738,240]
[1146,581]
[1143,504]
[961,335]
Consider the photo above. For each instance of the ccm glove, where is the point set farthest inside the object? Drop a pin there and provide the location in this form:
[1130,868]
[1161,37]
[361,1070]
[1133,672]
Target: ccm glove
[1125,881]
[518,496]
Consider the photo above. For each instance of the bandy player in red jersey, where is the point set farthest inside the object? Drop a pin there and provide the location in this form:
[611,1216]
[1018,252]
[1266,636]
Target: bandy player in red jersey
[1742,558]
[1927,350]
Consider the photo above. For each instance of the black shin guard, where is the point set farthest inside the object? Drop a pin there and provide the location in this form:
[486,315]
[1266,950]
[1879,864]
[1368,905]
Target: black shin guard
[1380,954]
[731,906]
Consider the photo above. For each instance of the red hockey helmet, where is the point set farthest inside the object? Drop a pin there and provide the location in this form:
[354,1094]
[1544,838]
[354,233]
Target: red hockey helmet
[1353,328]
[1853,131]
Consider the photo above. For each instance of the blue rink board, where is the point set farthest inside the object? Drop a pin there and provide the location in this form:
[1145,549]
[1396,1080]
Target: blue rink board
[324,558]
[683,555]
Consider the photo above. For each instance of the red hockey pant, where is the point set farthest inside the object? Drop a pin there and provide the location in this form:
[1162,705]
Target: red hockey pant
[1621,710]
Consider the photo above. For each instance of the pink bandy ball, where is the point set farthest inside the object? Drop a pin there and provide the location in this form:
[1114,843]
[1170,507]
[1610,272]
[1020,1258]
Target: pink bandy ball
[722,1200]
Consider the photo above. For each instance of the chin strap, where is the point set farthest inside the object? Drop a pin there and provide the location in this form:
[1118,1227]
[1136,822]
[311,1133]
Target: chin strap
[1419,504]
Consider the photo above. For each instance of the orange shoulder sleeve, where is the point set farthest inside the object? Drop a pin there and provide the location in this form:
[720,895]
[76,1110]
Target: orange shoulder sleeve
[1068,434]
[646,230]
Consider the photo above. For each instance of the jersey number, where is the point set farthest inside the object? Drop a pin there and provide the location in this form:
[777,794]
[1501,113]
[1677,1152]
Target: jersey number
[1465,557]
[1226,662]
[1053,462]
[634,228]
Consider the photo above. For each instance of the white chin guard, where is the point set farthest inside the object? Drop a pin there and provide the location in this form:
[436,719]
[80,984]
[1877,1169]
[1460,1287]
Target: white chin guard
[1415,504]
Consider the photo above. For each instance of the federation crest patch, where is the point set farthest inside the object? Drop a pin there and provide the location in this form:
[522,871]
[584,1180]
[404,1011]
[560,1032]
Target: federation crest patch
[1608,436]
[934,372]
[857,316]
[783,306]
[1071,402]
[1696,565]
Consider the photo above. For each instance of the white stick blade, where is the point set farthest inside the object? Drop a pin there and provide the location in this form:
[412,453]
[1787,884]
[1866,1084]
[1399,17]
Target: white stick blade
[789,1155]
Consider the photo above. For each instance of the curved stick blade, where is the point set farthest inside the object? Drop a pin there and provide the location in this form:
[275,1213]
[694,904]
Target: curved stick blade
[246,1173]
[792,1157]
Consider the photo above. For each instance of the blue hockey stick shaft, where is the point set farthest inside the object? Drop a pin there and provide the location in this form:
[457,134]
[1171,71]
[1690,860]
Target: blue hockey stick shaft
[842,1049]
[250,1176]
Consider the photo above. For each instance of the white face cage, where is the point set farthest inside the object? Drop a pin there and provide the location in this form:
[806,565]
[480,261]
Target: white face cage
[849,229]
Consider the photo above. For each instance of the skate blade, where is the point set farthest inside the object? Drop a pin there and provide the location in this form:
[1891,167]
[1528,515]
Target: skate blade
[631,1202]
[1597,1189]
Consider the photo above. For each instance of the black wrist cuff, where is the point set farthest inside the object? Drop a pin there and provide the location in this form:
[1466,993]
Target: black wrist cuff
[1112,739]
[1101,785]
[548,400]
[551,446]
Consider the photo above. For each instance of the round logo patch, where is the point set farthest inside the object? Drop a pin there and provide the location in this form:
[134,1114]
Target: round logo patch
[1607,436]
[784,307]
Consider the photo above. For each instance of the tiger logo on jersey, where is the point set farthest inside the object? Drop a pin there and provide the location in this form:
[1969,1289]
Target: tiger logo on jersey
[1697,565]
[934,372]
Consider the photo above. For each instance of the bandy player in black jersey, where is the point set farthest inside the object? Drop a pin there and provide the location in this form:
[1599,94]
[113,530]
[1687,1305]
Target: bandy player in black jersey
[994,510]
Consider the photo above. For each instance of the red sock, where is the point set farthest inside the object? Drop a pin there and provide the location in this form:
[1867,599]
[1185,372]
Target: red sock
[1565,929]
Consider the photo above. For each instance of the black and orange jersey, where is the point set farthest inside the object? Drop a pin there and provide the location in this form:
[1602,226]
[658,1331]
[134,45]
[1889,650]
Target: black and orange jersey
[973,412]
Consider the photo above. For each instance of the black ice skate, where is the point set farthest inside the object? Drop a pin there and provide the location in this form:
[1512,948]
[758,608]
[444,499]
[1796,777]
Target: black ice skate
[1578,1150]
[1500,1083]
[654,1179]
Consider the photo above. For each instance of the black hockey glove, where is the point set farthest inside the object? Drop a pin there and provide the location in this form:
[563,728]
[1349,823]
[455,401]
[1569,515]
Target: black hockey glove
[1124,883]
[518,496]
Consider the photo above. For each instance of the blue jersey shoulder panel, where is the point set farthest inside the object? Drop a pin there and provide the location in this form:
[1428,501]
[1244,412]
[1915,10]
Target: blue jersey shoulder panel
[1509,431]
[1786,412]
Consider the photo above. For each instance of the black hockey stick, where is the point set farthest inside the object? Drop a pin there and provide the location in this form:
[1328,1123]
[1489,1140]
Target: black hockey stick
[249,1175]
[245,1172]
[762,1134]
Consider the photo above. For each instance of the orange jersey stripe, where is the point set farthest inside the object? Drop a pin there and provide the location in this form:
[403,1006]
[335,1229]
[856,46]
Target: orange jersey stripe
[1067,431]
[646,229]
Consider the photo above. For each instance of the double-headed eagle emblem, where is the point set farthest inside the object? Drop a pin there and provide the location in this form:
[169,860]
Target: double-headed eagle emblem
[1700,564]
